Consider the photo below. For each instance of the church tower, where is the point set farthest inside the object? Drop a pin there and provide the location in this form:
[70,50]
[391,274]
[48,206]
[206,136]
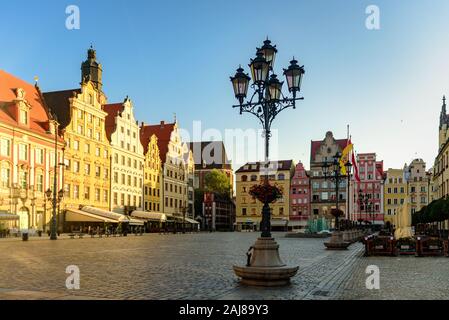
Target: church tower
[444,120]
[91,69]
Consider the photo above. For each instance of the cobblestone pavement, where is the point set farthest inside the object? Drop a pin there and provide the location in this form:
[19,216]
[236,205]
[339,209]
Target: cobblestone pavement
[401,278]
[199,266]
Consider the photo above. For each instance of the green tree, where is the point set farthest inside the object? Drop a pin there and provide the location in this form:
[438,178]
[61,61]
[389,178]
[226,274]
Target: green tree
[217,181]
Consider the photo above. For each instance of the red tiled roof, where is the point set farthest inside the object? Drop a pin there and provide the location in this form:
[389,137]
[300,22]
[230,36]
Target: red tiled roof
[315,146]
[113,110]
[39,116]
[162,131]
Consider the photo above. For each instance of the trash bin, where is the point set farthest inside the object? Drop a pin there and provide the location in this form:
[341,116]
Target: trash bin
[25,236]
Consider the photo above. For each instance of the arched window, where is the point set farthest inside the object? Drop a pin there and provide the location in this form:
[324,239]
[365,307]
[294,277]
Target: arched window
[244,178]
[253,177]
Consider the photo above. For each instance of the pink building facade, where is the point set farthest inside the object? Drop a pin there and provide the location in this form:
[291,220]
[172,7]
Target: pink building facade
[299,198]
[371,173]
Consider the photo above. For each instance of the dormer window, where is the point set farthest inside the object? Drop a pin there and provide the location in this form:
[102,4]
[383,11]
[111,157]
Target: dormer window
[23,117]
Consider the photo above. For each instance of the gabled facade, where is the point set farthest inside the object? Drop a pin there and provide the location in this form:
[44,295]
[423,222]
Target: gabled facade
[174,187]
[127,157]
[87,153]
[27,155]
[299,198]
[152,173]
[323,197]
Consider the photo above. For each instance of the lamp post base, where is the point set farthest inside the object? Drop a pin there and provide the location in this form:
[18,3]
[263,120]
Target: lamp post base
[265,268]
[337,242]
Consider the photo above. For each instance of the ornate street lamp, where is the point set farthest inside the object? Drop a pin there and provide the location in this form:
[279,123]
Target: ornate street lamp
[266,102]
[348,166]
[332,172]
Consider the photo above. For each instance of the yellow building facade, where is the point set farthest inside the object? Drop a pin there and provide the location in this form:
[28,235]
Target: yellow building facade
[87,151]
[152,176]
[249,210]
[395,193]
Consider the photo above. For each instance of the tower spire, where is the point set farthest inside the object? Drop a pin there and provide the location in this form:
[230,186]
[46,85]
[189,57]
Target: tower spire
[443,115]
[91,69]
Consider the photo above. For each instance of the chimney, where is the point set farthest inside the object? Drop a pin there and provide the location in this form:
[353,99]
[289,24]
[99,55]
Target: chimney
[162,124]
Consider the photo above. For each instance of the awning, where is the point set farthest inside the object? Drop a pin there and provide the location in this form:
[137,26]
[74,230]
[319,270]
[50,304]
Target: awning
[151,216]
[9,216]
[191,221]
[279,223]
[135,222]
[117,217]
[73,215]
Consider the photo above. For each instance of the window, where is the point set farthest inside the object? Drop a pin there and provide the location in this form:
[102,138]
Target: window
[253,178]
[123,178]
[39,156]
[87,148]
[87,169]
[6,176]
[105,154]
[76,166]
[80,114]
[244,178]
[281,176]
[76,192]
[281,211]
[23,179]
[106,173]
[97,194]
[97,171]
[122,199]
[97,151]
[23,117]
[116,158]
[23,152]
[76,145]
[86,193]
[89,118]
[5,147]
[40,182]
[89,133]
[324,196]
[243,211]
[115,198]
[67,190]
[80,129]
[129,180]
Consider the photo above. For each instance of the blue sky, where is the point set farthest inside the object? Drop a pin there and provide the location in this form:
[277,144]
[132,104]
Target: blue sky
[177,56]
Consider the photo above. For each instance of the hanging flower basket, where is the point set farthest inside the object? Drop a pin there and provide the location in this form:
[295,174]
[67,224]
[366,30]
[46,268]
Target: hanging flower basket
[336,213]
[265,193]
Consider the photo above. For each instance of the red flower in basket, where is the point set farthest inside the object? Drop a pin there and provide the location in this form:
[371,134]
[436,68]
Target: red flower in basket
[265,193]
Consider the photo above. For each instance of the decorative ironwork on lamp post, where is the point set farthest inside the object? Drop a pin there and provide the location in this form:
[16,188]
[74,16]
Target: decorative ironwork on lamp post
[267,101]
[332,172]
[364,199]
